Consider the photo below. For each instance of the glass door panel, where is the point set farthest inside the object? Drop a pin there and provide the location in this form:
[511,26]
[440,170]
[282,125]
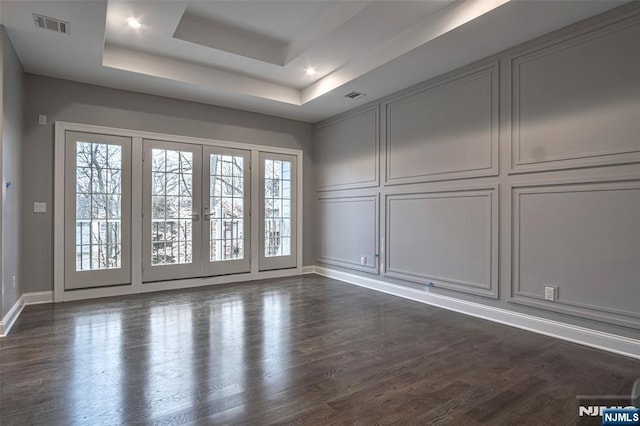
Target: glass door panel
[97,210]
[172,224]
[226,211]
[277,211]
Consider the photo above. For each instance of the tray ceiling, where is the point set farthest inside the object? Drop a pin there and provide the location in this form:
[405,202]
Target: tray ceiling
[254,55]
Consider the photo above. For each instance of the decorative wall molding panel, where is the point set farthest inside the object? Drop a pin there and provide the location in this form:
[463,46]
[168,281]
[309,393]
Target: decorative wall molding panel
[575,102]
[348,151]
[446,130]
[562,113]
[354,225]
[447,238]
[584,240]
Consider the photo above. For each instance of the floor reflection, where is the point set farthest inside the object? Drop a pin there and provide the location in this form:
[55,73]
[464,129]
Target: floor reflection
[227,342]
[97,385]
[276,332]
[303,351]
[170,371]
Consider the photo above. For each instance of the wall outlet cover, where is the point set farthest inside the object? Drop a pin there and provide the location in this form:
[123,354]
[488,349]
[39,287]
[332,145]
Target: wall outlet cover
[363,260]
[39,207]
[550,293]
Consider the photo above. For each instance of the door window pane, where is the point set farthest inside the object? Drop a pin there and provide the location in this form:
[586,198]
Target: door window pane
[277,214]
[171,207]
[226,207]
[98,206]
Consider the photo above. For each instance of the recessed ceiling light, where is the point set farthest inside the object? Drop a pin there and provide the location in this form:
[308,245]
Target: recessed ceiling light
[134,23]
[311,70]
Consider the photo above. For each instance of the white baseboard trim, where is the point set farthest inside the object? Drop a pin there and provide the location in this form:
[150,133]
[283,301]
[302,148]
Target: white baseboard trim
[10,318]
[38,297]
[308,270]
[34,298]
[581,335]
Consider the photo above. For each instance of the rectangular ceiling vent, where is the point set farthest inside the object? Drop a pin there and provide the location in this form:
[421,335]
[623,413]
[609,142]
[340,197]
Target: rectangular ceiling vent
[355,95]
[51,24]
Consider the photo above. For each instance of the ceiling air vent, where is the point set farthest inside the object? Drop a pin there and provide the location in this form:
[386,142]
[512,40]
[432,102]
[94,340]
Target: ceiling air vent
[51,24]
[355,95]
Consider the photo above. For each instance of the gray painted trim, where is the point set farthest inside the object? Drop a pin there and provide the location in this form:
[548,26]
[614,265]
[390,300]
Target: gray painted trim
[376,239]
[508,179]
[353,185]
[535,50]
[491,290]
[591,311]
[441,84]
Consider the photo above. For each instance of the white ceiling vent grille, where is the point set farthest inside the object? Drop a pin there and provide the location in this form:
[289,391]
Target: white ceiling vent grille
[355,95]
[51,24]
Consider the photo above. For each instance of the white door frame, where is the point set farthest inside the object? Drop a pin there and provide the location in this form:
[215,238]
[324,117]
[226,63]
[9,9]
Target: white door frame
[136,285]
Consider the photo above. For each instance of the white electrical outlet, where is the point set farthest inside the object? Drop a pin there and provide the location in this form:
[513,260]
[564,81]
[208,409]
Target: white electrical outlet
[42,120]
[39,207]
[363,260]
[549,293]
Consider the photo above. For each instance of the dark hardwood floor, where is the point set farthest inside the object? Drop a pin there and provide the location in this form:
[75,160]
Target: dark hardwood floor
[307,350]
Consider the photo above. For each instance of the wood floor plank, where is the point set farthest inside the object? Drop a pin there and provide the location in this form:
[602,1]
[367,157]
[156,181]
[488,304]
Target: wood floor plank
[299,350]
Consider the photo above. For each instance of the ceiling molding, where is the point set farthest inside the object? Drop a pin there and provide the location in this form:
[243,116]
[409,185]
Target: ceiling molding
[254,54]
[198,75]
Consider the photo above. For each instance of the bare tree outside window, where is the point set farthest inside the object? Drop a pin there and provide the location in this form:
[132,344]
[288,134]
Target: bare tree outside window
[277,214]
[226,198]
[98,206]
[171,207]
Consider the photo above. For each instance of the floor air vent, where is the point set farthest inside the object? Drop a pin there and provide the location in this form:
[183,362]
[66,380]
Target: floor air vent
[51,24]
[355,95]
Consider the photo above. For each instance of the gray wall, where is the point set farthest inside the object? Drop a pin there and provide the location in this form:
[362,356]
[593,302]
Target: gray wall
[63,100]
[516,172]
[12,135]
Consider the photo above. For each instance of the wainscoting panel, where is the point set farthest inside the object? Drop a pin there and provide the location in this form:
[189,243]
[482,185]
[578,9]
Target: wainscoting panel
[583,239]
[505,175]
[448,238]
[347,151]
[576,103]
[445,131]
[347,231]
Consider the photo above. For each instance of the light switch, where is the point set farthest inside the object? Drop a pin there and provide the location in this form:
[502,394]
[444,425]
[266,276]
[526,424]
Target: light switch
[39,207]
[42,120]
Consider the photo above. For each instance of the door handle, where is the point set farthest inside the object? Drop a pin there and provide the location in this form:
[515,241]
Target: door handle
[195,217]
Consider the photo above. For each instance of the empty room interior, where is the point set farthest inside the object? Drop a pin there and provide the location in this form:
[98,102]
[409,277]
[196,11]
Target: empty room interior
[320,212]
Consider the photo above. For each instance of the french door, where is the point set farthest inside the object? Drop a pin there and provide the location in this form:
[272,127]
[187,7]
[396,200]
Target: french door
[192,211]
[195,211]
[227,224]
[97,200]
[278,233]
[171,210]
